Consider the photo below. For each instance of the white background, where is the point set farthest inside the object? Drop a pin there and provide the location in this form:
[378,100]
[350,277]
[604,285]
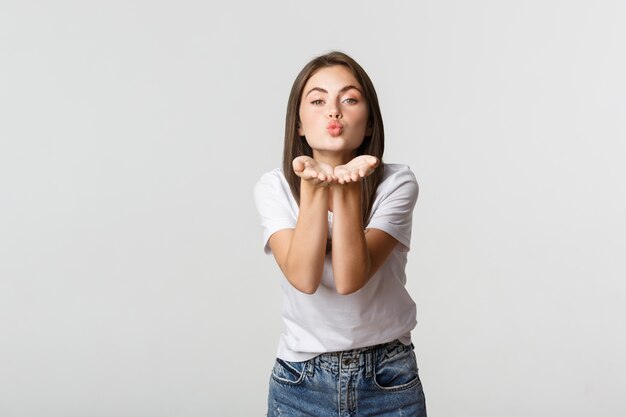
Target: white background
[132,278]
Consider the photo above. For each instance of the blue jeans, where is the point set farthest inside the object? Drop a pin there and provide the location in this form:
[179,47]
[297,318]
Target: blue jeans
[376,381]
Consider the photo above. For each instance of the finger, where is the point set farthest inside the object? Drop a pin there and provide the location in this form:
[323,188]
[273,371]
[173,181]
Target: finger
[310,173]
[326,181]
[298,165]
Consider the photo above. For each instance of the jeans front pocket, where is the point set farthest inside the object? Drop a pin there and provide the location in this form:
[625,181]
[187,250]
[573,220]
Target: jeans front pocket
[397,371]
[287,372]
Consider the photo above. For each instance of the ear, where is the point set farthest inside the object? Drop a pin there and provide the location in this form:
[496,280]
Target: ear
[300,130]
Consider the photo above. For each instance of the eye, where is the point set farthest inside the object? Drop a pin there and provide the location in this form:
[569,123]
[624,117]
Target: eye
[351,100]
[316,102]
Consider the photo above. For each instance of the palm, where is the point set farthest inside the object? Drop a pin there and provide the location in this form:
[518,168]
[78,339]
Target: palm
[311,170]
[359,167]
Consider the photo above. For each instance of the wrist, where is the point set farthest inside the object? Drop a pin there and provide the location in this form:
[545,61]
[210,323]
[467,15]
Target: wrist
[310,191]
[350,188]
[347,197]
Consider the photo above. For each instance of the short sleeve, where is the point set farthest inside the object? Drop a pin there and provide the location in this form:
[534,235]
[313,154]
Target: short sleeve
[272,199]
[393,212]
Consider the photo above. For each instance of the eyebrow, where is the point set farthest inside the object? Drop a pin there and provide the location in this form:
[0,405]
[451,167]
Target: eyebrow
[346,88]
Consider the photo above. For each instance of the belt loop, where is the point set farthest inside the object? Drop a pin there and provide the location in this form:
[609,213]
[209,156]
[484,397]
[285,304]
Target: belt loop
[308,368]
[369,363]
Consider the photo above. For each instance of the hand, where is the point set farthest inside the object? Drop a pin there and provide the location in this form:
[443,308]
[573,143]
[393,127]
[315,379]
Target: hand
[359,167]
[317,173]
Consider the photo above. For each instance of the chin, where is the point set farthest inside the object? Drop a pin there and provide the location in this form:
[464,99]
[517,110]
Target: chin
[336,144]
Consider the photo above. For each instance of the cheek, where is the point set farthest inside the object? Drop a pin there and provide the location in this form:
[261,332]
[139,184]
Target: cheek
[302,116]
[361,117]
[307,119]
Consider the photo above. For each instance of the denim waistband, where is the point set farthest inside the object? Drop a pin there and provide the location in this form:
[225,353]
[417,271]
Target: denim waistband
[364,357]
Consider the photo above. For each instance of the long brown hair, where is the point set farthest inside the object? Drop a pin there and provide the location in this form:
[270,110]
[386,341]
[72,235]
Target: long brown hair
[374,144]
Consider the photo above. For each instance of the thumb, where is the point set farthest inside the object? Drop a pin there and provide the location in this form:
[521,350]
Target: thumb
[298,164]
[373,161]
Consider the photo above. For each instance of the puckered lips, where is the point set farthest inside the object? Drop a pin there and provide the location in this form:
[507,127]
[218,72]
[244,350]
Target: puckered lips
[334,128]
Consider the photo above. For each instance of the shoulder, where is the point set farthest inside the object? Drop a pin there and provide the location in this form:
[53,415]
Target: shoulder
[272,184]
[273,179]
[397,177]
[397,170]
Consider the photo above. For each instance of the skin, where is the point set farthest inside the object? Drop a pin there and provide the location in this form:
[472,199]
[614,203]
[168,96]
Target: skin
[331,181]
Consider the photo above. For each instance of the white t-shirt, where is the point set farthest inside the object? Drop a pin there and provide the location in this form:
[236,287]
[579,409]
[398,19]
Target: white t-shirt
[327,321]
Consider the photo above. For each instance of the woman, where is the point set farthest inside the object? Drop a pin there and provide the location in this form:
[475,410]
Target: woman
[338,222]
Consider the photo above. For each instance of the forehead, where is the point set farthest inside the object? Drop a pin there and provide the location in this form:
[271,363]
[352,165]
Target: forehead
[331,78]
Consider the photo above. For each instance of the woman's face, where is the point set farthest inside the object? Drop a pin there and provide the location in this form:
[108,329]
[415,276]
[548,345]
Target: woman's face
[333,112]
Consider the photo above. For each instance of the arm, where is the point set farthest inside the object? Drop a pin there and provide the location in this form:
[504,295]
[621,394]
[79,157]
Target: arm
[357,254]
[300,252]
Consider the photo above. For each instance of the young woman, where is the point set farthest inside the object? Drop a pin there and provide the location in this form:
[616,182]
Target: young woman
[338,222]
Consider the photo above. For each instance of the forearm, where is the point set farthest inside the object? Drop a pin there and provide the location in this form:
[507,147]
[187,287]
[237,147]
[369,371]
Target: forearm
[350,256]
[305,259]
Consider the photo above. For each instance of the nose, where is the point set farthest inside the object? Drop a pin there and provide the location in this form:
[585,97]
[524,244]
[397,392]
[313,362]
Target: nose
[334,112]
